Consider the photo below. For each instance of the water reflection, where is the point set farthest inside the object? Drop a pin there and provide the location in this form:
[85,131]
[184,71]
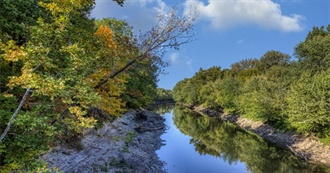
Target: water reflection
[162,108]
[229,143]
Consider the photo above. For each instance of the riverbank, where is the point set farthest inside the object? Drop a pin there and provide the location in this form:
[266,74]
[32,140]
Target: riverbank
[128,144]
[306,148]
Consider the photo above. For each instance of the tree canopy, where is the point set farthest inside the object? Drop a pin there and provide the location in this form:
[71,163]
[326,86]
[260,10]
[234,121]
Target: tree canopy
[291,94]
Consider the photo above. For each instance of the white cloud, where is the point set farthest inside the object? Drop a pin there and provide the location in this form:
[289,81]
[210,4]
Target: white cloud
[174,58]
[229,13]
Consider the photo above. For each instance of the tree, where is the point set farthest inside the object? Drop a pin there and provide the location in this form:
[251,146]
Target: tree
[141,77]
[172,31]
[16,17]
[227,93]
[52,69]
[141,86]
[245,69]
[207,95]
[178,90]
[164,94]
[70,85]
[272,58]
[314,52]
[244,65]
[188,91]
[309,103]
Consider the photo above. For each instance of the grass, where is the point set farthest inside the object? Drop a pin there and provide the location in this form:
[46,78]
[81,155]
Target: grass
[129,137]
[325,140]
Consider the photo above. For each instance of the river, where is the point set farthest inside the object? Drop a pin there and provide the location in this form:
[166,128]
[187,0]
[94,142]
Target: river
[196,143]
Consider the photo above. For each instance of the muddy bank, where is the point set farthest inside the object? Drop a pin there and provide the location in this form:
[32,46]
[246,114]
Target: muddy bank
[306,148]
[128,144]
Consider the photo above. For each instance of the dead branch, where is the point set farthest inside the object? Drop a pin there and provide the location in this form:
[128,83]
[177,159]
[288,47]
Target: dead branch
[28,90]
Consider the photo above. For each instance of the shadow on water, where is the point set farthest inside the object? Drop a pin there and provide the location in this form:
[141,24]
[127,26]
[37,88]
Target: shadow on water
[226,141]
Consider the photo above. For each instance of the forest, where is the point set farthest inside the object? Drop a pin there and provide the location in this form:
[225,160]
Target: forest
[289,93]
[63,71]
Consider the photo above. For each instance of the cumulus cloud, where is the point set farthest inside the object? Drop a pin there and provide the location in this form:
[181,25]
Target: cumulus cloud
[229,13]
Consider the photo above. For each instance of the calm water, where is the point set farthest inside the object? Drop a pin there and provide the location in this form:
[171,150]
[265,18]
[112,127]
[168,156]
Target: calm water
[199,144]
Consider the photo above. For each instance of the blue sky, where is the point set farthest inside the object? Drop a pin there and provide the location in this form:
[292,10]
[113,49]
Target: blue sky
[228,30]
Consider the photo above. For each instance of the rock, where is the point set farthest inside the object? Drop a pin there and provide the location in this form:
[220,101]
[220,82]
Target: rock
[111,150]
[211,112]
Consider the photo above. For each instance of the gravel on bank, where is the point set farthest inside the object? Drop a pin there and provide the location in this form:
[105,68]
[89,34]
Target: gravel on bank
[128,144]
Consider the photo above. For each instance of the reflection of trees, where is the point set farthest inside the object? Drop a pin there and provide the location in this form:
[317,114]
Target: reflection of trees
[162,108]
[225,140]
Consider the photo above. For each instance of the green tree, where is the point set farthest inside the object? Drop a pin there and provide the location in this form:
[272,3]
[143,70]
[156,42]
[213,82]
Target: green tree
[164,94]
[227,93]
[251,103]
[245,69]
[207,95]
[141,86]
[179,92]
[188,91]
[309,103]
[272,58]
[16,17]
[314,52]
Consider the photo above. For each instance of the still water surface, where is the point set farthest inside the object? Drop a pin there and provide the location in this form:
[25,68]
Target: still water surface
[195,143]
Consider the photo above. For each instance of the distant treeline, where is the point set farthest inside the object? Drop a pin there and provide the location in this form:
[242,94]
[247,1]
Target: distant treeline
[164,95]
[289,93]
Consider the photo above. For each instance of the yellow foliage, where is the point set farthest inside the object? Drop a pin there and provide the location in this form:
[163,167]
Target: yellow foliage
[7,95]
[110,92]
[10,167]
[83,122]
[12,52]
[66,6]
[105,36]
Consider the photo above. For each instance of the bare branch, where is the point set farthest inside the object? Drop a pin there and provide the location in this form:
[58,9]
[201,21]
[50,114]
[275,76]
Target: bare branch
[114,74]
[172,31]
[15,114]
[28,90]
